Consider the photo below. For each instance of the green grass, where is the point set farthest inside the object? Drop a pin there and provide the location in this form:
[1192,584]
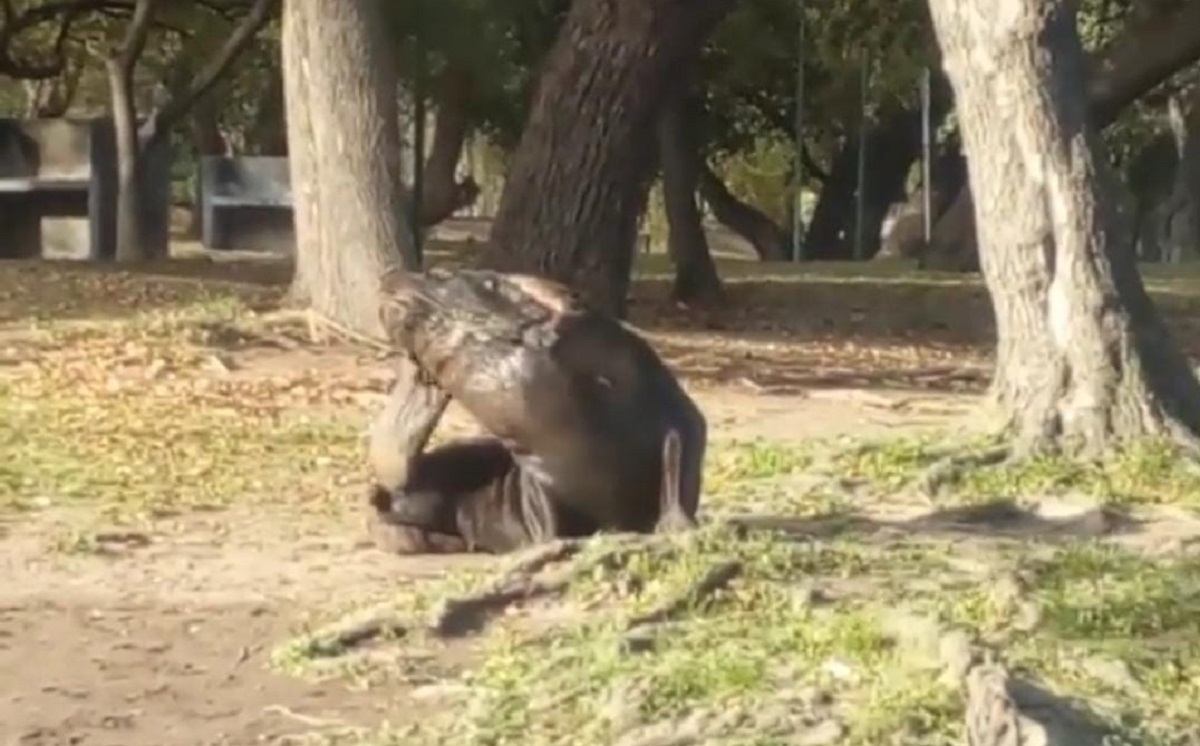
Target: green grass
[1149,472]
[764,660]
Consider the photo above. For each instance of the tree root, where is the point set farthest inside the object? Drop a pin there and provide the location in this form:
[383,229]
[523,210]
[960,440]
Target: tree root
[336,641]
[951,467]
[458,617]
[468,614]
[719,576]
[1003,711]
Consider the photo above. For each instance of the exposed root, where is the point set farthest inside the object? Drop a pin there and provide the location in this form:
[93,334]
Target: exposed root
[527,579]
[718,577]
[1003,711]
[950,468]
[337,640]
[458,617]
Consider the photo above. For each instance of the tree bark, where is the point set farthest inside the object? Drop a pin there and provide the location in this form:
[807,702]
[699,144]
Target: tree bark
[350,208]
[120,66]
[771,242]
[696,279]
[1155,45]
[581,173]
[1084,361]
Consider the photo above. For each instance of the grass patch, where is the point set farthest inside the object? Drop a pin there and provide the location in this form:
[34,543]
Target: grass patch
[125,417]
[768,477]
[770,660]
[1149,472]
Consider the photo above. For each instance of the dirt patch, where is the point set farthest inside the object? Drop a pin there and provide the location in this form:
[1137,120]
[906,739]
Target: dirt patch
[138,626]
[165,644]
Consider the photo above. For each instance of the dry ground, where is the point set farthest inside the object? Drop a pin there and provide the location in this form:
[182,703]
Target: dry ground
[180,478]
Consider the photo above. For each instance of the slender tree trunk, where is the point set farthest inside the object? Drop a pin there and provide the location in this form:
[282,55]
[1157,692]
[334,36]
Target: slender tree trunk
[301,146]
[1181,224]
[696,279]
[341,93]
[581,172]
[771,242]
[120,66]
[130,247]
[1084,360]
[269,133]
[441,193]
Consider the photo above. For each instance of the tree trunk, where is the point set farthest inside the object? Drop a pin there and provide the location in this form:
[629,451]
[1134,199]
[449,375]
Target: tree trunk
[893,146]
[696,279]
[1084,360]
[120,66]
[268,135]
[581,173]
[130,247]
[341,92]
[948,174]
[1158,42]
[770,242]
[441,194]
[1181,224]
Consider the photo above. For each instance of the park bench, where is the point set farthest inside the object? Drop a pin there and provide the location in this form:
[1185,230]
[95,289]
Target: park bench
[58,190]
[246,203]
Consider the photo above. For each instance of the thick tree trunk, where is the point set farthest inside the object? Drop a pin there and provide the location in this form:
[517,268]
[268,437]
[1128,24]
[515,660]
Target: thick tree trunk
[770,242]
[1084,359]
[580,176]
[341,91]
[1162,38]
[696,279]
[893,146]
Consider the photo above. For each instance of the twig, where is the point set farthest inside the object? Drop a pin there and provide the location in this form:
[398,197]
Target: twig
[309,720]
[314,318]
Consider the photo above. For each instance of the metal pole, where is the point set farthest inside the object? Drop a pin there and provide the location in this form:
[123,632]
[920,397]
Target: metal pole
[860,197]
[798,167]
[418,166]
[926,156]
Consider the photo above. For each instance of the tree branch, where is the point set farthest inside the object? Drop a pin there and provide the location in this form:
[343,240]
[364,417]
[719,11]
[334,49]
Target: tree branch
[1152,49]
[15,23]
[136,33]
[166,117]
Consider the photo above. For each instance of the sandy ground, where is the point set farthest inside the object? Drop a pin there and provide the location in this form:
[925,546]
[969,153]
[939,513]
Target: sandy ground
[167,643]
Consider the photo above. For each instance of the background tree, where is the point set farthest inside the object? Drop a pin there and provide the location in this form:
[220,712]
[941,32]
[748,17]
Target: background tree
[580,175]
[134,141]
[1084,360]
[1136,47]
[345,158]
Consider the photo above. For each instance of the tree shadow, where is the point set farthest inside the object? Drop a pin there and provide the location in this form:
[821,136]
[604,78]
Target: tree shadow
[1000,519]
